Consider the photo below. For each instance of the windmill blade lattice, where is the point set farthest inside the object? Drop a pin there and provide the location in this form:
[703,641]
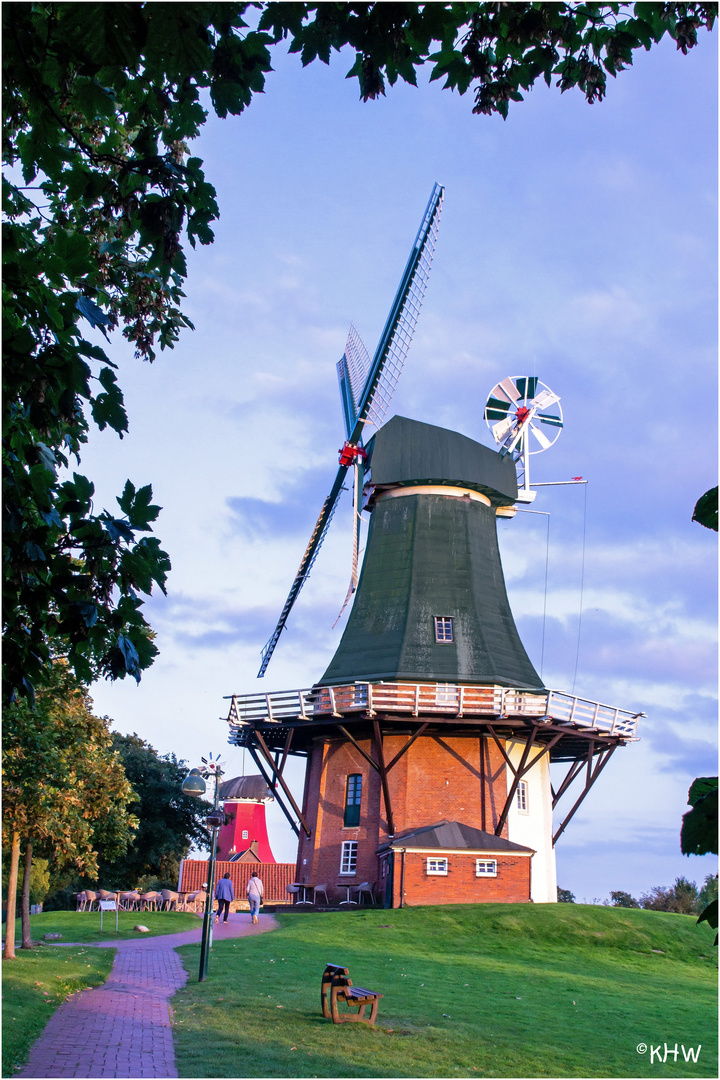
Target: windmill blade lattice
[366,388]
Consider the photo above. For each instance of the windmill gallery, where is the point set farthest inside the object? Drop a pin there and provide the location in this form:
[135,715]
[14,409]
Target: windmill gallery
[429,738]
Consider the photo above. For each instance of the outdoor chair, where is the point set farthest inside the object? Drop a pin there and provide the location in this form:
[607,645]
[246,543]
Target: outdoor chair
[169,900]
[292,891]
[193,899]
[90,899]
[364,887]
[149,901]
[80,901]
[103,894]
[128,901]
[320,889]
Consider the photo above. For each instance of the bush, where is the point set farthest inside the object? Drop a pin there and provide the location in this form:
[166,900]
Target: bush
[565,896]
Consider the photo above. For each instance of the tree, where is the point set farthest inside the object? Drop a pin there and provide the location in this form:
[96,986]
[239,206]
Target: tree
[65,792]
[101,100]
[565,896]
[699,836]
[169,823]
[623,899]
[681,897]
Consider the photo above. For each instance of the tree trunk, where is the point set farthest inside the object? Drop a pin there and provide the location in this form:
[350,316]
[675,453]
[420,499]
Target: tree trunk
[9,950]
[27,870]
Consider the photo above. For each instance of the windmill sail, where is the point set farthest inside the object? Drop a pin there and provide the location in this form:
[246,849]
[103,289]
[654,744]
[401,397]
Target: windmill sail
[366,390]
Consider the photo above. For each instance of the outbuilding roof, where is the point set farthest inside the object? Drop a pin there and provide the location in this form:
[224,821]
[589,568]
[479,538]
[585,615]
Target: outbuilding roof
[453,836]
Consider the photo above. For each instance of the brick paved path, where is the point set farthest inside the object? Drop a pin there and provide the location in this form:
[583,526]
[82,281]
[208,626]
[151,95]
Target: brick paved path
[124,1028]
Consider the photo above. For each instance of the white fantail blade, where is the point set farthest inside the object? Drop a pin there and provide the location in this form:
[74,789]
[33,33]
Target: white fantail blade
[541,438]
[545,398]
[509,388]
[500,430]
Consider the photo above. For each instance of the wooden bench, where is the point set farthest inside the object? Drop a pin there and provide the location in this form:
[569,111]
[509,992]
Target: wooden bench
[336,979]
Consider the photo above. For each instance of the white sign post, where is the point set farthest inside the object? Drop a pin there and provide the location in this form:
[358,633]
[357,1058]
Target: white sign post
[109,905]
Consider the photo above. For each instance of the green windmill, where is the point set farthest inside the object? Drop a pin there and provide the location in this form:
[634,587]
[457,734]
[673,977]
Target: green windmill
[430,736]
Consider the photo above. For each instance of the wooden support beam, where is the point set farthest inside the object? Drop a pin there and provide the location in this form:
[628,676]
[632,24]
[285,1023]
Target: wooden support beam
[508,762]
[516,780]
[383,778]
[286,789]
[600,765]
[358,747]
[575,768]
[406,747]
[266,778]
[483,781]
[286,750]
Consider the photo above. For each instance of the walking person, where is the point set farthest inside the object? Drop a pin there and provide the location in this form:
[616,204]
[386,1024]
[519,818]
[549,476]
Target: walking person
[224,894]
[255,892]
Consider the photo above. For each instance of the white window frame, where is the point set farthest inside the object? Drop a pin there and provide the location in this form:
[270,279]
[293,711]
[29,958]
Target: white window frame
[521,798]
[244,834]
[446,694]
[486,868]
[437,867]
[348,858]
[443,626]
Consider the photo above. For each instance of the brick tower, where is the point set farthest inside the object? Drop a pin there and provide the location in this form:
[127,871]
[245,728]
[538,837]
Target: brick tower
[430,736]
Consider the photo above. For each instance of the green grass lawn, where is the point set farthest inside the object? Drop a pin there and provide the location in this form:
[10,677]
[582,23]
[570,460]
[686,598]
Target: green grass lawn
[34,985]
[84,926]
[488,990]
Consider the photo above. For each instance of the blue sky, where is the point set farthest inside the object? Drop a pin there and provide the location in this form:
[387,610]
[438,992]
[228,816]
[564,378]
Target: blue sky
[577,243]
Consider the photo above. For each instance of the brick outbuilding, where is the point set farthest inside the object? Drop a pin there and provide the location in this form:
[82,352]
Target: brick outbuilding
[453,863]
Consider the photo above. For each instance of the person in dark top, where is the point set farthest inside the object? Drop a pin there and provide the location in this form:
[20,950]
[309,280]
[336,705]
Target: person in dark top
[224,893]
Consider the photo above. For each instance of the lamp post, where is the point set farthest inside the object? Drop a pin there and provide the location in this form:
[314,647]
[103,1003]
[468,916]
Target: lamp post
[195,784]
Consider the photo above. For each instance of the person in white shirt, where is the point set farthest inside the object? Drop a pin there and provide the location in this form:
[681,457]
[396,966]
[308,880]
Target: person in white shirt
[254,894]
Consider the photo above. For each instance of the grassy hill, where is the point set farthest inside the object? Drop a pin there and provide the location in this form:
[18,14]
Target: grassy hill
[491,990]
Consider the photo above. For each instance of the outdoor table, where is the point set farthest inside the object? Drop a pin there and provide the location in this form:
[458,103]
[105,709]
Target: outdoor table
[301,885]
[348,886]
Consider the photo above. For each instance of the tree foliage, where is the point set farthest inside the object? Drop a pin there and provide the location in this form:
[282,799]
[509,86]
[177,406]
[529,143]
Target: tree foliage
[168,822]
[680,897]
[706,509]
[63,784]
[101,101]
[623,899]
[64,789]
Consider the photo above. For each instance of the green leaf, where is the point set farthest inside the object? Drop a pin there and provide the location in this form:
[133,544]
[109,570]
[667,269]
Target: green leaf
[706,509]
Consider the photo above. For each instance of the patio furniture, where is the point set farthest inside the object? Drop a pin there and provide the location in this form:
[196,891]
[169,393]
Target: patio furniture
[320,889]
[364,887]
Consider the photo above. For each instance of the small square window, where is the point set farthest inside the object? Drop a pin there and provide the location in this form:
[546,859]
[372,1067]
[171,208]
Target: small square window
[521,800]
[437,866]
[486,868]
[348,857]
[444,629]
[244,834]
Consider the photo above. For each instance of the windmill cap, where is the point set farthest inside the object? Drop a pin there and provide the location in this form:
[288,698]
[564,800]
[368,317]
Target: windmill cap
[410,452]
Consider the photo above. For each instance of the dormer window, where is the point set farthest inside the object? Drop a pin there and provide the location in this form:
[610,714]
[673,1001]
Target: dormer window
[444,629]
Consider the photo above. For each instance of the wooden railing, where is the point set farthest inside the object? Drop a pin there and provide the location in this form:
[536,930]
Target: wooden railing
[428,699]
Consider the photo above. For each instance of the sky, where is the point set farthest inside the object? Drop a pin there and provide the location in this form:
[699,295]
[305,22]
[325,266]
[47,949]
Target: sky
[577,243]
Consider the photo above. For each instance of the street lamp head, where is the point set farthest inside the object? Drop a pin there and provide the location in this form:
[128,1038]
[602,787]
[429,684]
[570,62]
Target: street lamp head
[193,784]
